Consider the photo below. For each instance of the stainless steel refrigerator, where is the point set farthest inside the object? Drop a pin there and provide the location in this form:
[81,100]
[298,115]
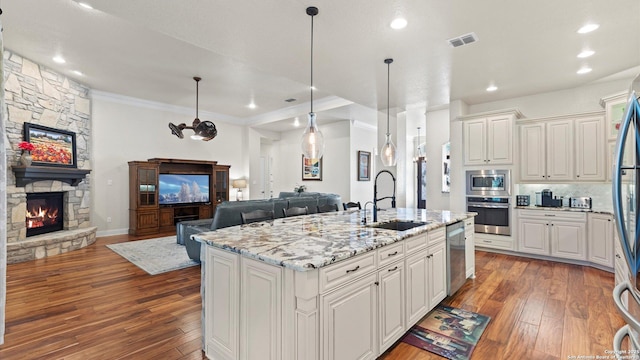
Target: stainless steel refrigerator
[626,185]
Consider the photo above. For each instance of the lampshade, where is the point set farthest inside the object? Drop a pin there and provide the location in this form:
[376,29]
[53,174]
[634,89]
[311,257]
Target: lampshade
[312,143]
[239,183]
[388,151]
[202,130]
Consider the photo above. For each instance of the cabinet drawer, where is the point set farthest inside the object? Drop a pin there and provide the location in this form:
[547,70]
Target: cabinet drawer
[437,235]
[416,243]
[390,253]
[505,244]
[554,215]
[344,271]
[469,226]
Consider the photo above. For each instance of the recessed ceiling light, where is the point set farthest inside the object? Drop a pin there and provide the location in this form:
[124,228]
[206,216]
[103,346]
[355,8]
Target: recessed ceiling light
[588,28]
[77,72]
[252,105]
[85,5]
[59,59]
[492,88]
[399,23]
[586,54]
[584,70]
[296,122]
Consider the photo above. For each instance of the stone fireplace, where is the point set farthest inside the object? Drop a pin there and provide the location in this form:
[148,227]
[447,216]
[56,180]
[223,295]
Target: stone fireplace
[45,213]
[38,95]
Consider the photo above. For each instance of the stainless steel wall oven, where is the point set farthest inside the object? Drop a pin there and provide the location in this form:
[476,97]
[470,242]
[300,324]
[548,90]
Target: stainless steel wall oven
[494,214]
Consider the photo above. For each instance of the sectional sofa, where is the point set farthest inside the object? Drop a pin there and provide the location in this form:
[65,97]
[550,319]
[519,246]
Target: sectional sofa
[228,214]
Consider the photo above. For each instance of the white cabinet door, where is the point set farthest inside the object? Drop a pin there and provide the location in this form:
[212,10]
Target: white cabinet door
[533,236]
[417,272]
[559,156]
[260,309]
[469,248]
[568,240]
[600,239]
[532,152]
[475,142]
[590,149]
[437,274]
[349,326]
[499,140]
[391,303]
[222,296]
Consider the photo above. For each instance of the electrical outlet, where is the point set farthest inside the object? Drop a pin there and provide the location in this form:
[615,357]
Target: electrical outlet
[109,182]
[108,219]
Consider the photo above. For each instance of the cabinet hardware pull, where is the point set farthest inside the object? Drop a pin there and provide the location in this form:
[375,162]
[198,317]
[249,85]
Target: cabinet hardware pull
[549,215]
[618,256]
[354,269]
[394,253]
[395,268]
[488,241]
[377,283]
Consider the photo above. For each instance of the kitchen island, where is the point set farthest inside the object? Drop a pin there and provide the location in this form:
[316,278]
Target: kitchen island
[321,286]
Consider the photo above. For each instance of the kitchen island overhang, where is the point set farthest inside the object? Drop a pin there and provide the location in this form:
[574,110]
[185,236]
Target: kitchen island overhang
[300,287]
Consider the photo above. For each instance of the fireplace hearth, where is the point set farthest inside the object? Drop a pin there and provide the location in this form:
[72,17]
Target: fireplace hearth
[45,213]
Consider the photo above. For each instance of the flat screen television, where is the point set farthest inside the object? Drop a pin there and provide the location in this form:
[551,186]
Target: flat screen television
[175,189]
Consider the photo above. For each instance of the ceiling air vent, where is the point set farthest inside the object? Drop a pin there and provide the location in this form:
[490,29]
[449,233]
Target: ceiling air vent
[290,100]
[463,40]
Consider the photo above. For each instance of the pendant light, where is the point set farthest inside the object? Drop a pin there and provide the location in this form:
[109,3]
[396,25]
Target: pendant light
[312,138]
[202,130]
[388,151]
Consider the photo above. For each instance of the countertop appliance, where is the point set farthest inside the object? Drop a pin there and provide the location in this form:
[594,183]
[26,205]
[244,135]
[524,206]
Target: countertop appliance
[581,202]
[457,271]
[626,184]
[545,198]
[522,200]
[488,182]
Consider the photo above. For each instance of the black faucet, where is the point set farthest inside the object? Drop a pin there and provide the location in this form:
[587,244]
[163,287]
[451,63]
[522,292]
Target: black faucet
[375,194]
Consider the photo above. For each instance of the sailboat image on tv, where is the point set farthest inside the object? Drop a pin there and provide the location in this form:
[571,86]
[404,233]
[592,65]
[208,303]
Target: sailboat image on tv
[175,189]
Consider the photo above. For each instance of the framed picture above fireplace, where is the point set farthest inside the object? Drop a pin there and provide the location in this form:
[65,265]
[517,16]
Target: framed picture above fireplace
[52,147]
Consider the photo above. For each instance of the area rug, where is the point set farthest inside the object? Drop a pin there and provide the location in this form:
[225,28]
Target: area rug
[155,256]
[449,332]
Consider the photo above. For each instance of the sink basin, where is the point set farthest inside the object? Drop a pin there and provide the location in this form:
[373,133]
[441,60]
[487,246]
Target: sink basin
[399,225]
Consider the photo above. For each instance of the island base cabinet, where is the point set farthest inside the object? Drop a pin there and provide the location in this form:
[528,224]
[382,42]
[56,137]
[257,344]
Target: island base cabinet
[437,280]
[221,294]
[349,321]
[391,303]
[417,273]
[261,310]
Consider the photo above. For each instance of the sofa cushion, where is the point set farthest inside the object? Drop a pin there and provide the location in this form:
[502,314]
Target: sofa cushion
[228,213]
[309,201]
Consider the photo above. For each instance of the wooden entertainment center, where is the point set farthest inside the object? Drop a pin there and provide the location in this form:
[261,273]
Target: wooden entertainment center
[148,216]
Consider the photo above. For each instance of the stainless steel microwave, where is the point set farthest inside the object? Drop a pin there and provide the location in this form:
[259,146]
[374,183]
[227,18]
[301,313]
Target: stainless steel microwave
[488,182]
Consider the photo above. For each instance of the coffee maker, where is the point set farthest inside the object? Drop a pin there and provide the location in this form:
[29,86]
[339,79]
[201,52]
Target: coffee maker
[545,198]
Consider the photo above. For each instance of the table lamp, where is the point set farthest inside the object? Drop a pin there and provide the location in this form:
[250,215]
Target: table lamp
[239,184]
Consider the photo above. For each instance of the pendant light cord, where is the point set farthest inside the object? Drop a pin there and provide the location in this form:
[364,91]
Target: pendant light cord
[388,77]
[311,63]
[197,86]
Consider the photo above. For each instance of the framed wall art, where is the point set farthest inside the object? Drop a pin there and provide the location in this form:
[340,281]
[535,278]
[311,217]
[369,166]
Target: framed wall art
[52,147]
[364,166]
[311,169]
[446,167]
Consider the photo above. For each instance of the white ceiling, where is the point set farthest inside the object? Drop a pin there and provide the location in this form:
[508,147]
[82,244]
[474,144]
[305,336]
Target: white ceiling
[258,50]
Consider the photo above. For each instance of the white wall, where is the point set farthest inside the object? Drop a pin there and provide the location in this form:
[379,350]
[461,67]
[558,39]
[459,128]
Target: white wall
[363,138]
[127,129]
[437,134]
[336,171]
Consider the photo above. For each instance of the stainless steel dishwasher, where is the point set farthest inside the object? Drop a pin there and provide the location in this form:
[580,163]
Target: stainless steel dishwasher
[456,266]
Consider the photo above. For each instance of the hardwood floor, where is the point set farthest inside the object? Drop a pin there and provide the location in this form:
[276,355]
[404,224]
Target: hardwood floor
[94,304]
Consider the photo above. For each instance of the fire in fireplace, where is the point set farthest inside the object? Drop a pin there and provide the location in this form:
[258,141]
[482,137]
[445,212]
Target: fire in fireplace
[44,213]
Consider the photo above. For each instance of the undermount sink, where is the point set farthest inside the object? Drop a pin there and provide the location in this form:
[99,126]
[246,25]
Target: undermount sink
[399,225]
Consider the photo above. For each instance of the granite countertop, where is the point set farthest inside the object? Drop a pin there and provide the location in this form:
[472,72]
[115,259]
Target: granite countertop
[312,241]
[548,208]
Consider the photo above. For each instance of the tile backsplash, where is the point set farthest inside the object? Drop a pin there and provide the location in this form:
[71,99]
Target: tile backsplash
[601,194]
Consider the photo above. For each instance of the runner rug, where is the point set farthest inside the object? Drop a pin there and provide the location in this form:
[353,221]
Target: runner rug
[155,256]
[449,332]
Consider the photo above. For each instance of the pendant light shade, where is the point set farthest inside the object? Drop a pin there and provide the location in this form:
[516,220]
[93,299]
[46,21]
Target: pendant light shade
[202,130]
[388,151]
[312,139]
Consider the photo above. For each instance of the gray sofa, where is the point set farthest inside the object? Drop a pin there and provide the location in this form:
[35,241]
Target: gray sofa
[228,214]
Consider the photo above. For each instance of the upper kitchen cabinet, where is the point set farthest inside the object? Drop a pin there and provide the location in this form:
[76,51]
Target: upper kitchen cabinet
[488,137]
[562,148]
[614,106]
